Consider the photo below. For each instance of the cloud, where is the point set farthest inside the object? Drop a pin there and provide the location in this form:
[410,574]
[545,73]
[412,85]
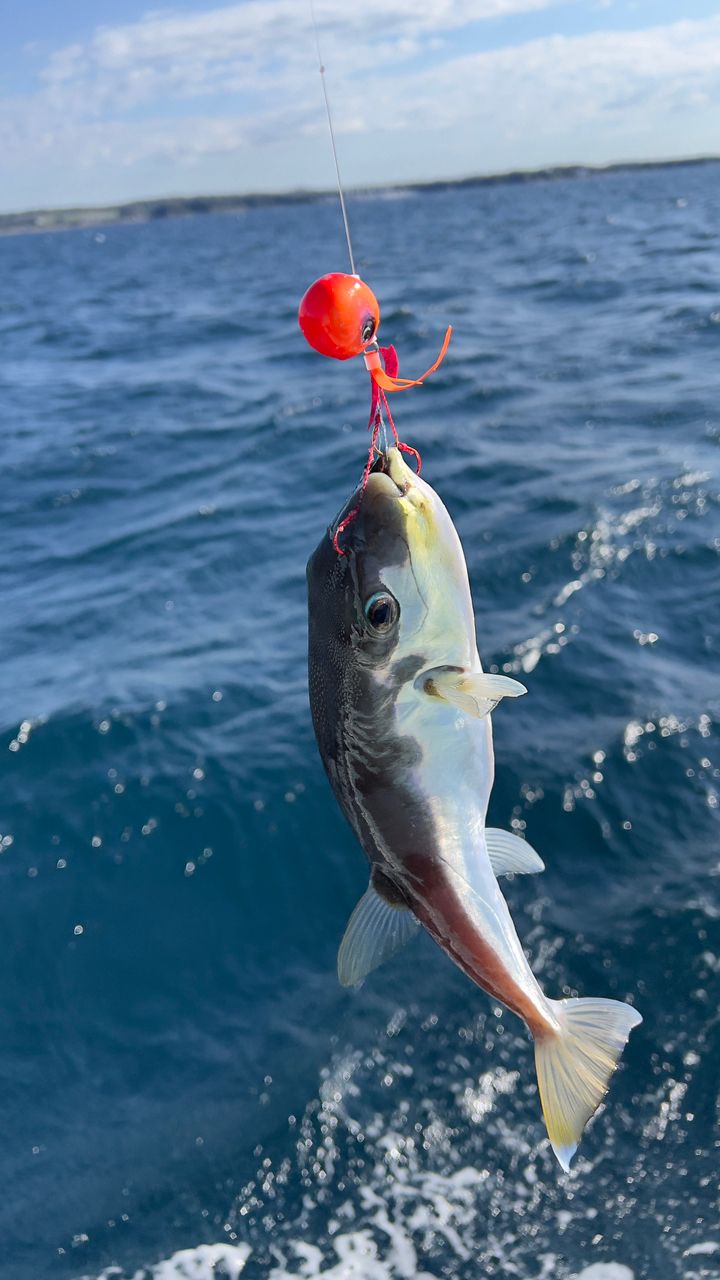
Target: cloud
[241,79]
[260,46]
[555,83]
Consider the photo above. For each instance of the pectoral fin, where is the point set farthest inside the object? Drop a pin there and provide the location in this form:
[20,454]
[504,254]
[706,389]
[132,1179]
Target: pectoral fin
[375,931]
[474,692]
[508,853]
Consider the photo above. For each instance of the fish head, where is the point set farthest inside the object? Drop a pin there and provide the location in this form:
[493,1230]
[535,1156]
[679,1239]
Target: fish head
[400,589]
[395,604]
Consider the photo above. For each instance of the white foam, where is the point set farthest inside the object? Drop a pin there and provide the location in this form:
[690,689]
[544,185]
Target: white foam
[606,1271]
[359,1257]
[358,1254]
[200,1263]
[705,1246]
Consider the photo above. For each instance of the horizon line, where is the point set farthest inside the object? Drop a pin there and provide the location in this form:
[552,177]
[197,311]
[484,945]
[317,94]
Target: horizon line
[76,217]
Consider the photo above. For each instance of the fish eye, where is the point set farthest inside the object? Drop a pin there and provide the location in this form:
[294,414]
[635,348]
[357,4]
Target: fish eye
[382,611]
[368,328]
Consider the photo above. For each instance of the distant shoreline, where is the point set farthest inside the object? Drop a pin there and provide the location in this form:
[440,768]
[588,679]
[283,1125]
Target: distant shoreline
[141,211]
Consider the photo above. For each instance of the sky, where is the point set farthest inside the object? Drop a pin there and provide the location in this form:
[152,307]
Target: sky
[108,100]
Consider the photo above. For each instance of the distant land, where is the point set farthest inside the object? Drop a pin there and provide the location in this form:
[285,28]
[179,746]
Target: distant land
[138,211]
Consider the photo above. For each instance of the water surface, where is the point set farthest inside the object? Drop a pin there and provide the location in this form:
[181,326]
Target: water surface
[180,1070]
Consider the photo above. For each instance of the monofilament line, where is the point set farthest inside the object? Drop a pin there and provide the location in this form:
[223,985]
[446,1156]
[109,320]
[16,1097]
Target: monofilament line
[332,141]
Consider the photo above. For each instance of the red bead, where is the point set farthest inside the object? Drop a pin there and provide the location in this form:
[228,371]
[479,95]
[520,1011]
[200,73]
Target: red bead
[339,315]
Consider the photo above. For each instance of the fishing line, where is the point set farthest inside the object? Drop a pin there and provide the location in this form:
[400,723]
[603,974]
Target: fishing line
[378,428]
[321,67]
[381,362]
[381,438]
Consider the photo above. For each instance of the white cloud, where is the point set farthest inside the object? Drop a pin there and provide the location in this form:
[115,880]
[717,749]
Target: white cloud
[242,81]
[259,45]
[554,83]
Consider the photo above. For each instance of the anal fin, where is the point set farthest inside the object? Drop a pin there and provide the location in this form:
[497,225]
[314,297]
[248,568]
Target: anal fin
[509,854]
[375,931]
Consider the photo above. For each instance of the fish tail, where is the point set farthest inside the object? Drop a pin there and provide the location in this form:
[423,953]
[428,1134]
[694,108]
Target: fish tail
[574,1065]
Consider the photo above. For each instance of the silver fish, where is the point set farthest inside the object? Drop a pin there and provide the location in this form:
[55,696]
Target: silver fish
[400,705]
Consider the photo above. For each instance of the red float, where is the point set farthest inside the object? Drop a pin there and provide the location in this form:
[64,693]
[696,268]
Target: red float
[339,315]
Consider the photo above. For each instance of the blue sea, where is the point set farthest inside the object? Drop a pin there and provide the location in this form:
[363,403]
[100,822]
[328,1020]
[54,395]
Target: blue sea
[185,1091]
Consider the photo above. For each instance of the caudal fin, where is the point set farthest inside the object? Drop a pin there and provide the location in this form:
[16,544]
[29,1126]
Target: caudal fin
[574,1066]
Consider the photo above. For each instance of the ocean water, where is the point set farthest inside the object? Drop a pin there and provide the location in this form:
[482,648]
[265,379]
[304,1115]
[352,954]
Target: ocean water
[185,1091]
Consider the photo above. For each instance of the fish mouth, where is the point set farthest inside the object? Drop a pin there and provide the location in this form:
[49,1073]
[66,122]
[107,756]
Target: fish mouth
[394,518]
[390,474]
[395,492]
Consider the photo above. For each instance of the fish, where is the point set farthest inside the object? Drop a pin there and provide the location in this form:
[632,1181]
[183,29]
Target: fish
[401,709]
